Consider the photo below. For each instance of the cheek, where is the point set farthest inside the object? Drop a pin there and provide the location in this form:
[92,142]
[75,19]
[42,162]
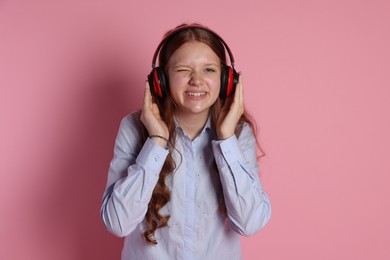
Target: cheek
[173,86]
[176,81]
[215,84]
[215,80]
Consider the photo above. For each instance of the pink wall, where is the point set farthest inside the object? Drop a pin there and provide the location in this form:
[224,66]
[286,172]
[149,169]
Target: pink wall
[317,79]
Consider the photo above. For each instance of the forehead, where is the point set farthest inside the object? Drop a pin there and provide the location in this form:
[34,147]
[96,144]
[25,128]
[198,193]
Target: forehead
[194,51]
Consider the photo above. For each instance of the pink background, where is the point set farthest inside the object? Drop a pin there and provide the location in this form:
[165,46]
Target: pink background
[317,79]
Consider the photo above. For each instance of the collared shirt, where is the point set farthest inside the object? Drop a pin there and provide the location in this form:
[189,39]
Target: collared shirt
[196,229]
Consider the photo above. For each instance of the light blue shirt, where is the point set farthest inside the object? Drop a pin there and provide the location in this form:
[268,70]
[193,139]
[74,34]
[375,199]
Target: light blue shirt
[196,229]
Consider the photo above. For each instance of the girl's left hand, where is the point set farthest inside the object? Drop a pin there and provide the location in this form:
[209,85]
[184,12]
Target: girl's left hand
[231,112]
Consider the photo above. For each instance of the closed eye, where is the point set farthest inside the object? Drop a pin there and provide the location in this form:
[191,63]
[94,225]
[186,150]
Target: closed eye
[182,69]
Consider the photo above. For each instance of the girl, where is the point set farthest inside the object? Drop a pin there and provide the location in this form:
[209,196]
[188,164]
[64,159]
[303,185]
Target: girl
[184,180]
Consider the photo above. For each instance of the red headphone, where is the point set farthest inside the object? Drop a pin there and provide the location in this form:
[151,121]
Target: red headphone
[158,81]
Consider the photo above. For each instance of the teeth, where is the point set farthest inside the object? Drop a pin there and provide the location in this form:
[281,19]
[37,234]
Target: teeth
[195,94]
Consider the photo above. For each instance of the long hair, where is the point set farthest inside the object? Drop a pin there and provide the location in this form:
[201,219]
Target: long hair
[161,193]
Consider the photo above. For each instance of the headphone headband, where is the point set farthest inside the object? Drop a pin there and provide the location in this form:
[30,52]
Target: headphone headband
[190,26]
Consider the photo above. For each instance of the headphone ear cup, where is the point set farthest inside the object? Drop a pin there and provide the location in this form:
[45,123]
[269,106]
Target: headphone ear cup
[229,80]
[163,82]
[157,82]
[224,81]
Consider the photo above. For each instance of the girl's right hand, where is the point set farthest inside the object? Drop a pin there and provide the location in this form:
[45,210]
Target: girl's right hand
[152,120]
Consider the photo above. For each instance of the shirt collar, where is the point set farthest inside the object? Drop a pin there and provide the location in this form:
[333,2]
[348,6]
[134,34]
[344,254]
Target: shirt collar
[206,127]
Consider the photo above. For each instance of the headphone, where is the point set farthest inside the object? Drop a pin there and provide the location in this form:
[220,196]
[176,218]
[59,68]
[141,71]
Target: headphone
[158,81]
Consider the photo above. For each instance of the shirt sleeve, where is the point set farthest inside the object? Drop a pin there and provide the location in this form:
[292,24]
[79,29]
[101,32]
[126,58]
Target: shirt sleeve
[132,176]
[247,204]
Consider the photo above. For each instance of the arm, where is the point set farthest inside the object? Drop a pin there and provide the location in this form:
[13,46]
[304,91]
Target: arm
[132,176]
[134,172]
[247,205]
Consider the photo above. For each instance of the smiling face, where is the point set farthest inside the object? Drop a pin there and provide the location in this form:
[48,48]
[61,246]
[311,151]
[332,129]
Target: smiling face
[194,72]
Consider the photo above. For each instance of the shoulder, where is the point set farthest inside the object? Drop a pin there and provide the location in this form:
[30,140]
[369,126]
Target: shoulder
[130,130]
[132,120]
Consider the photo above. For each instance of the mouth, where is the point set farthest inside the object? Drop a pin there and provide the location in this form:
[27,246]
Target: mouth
[195,94]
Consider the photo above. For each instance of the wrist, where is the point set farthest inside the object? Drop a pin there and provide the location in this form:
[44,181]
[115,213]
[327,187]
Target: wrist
[223,136]
[160,140]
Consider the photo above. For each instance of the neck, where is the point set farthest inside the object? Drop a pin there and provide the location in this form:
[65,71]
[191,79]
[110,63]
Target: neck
[192,124]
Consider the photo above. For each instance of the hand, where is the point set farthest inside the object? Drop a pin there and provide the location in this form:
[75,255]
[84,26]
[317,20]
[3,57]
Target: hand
[151,118]
[231,112]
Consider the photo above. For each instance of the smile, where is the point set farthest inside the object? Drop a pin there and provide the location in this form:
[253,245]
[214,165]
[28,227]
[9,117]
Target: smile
[195,94]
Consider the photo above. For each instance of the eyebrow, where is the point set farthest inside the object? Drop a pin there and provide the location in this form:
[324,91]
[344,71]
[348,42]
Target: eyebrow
[180,65]
[185,65]
[212,64]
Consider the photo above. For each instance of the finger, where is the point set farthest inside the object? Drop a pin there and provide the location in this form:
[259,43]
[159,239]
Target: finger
[240,90]
[240,78]
[147,96]
[241,83]
[156,111]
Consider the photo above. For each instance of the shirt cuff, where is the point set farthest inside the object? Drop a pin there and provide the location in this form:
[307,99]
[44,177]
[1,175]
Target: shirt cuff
[152,156]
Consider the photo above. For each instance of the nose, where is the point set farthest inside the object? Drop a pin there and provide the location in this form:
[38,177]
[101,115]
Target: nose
[196,79]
